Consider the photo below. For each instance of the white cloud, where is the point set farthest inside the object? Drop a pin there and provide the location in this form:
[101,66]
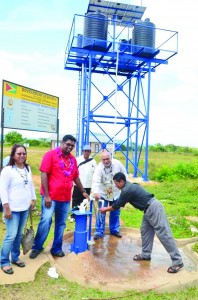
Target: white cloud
[34,35]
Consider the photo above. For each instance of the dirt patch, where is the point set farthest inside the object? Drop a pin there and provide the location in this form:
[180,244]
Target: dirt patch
[192,219]
[141,181]
[36,180]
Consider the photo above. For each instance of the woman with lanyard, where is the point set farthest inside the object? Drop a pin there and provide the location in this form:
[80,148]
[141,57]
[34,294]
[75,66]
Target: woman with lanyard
[17,195]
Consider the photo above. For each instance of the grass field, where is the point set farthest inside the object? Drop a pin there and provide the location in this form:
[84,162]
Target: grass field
[179,199]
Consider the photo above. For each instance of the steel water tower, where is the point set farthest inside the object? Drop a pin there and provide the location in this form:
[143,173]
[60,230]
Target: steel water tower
[116,52]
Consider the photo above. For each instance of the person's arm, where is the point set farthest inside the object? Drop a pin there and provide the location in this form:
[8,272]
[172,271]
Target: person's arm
[44,182]
[96,182]
[4,186]
[7,211]
[33,203]
[81,188]
[33,193]
[105,209]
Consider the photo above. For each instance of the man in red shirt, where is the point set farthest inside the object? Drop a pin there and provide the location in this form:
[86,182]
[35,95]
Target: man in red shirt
[58,172]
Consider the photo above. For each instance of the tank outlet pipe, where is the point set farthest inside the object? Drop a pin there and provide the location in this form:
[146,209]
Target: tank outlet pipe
[90,240]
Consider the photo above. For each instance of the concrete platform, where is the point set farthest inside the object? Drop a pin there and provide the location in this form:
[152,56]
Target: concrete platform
[108,265]
[24,274]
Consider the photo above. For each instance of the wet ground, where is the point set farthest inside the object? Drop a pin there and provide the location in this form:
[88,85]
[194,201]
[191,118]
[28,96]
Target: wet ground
[109,264]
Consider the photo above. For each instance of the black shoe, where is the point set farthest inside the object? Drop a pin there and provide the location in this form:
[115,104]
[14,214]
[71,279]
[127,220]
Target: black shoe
[34,253]
[117,234]
[58,254]
[9,271]
[97,237]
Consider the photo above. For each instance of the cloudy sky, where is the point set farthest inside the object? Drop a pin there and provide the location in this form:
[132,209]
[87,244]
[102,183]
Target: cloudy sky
[33,38]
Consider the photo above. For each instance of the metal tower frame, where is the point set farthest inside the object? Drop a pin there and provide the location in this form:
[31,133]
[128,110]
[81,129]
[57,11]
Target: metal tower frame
[114,83]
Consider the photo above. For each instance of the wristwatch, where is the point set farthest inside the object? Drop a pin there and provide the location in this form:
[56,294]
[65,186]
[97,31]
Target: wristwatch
[83,191]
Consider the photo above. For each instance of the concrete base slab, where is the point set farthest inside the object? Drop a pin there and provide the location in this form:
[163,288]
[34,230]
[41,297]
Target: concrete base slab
[24,274]
[109,265]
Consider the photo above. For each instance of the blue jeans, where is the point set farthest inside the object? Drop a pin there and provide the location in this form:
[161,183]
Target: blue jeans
[61,210]
[12,241]
[114,219]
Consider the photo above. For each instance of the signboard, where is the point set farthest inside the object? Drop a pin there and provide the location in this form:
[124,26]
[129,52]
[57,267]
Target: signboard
[28,109]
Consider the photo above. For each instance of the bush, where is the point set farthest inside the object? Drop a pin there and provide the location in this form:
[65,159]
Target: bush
[38,143]
[180,171]
[14,137]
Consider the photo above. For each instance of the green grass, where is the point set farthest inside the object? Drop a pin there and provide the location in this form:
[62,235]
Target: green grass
[47,288]
[179,200]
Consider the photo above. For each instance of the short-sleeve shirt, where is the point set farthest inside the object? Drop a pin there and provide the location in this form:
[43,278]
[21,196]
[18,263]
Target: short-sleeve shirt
[59,185]
[135,194]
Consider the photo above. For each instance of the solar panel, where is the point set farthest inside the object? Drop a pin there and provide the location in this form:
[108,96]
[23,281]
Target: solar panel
[125,12]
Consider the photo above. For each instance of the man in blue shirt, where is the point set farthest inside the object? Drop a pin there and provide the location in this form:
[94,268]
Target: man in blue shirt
[154,220]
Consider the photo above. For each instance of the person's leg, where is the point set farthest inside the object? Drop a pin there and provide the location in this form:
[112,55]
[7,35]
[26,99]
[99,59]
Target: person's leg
[15,251]
[100,221]
[77,198]
[158,219]
[11,232]
[61,213]
[114,220]
[147,235]
[43,226]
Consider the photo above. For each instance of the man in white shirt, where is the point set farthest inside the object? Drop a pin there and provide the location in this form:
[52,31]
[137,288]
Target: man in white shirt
[104,189]
[86,167]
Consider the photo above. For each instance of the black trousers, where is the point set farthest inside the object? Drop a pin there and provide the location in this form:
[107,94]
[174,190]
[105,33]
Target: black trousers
[77,197]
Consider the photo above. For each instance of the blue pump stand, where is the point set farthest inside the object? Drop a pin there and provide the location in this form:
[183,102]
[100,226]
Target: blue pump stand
[80,234]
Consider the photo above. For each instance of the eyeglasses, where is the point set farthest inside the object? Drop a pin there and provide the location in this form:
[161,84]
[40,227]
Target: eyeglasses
[20,153]
[69,145]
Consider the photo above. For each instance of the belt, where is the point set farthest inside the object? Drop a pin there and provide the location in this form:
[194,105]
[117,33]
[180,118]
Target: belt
[147,206]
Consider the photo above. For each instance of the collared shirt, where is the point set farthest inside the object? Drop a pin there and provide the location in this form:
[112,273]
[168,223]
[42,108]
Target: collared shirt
[59,185]
[103,180]
[135,194]
[86,171]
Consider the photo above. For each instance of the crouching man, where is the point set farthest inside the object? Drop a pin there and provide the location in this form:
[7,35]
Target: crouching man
[154,220]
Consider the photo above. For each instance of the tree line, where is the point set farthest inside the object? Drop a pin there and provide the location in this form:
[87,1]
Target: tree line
[15,137]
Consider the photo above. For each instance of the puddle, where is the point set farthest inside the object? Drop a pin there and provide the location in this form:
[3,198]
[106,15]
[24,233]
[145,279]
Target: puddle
[116,255]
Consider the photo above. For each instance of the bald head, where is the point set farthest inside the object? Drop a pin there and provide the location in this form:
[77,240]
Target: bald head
[106,158]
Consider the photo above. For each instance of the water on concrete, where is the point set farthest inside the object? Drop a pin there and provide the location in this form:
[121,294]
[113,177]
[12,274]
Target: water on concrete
[109,264]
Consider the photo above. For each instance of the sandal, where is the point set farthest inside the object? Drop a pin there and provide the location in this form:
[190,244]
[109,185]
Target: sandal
[175,268]
[7,271]
[19,264]
[138,257]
